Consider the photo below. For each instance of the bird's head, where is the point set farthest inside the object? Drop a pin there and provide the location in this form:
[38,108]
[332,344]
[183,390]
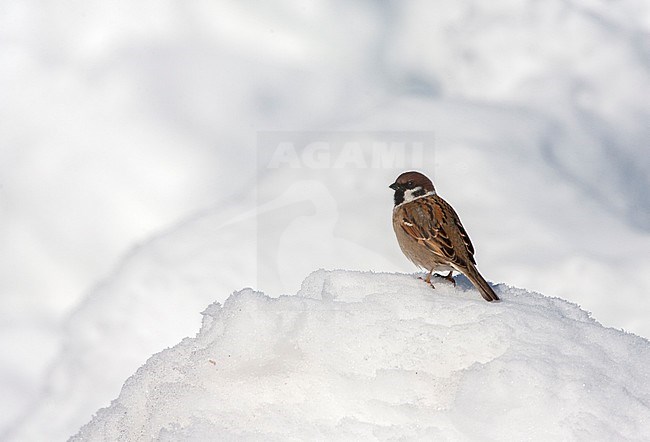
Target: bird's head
[411,185]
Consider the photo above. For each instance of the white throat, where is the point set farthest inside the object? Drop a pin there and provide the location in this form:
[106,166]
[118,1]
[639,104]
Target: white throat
[410,194]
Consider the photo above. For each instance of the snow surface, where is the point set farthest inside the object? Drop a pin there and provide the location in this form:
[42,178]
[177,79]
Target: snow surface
[129,165]
[361,355]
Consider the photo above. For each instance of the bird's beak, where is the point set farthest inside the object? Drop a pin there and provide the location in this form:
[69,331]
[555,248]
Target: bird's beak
[394,186]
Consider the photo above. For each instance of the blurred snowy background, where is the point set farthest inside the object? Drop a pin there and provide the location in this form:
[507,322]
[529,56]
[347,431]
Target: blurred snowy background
[130,146]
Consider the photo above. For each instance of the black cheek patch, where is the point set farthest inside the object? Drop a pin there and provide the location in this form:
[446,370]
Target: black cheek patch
[399,196]
[419,192]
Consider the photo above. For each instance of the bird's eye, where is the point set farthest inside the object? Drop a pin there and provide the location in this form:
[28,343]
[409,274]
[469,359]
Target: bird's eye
[409,184]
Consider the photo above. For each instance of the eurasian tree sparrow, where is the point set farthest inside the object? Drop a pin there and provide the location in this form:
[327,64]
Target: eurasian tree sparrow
[430,233]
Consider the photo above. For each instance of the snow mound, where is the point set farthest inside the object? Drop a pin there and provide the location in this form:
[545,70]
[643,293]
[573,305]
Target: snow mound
[362,355]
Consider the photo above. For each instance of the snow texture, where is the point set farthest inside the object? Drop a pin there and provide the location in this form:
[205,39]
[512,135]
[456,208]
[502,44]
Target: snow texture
[379,356]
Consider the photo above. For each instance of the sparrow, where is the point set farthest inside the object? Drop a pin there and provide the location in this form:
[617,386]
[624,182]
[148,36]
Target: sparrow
[430,233]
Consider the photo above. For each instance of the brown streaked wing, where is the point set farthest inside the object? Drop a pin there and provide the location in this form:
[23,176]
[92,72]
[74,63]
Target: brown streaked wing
[466,240]
[422,223]
[455,219]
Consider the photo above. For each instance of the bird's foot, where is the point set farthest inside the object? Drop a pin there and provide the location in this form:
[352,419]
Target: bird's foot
[448,277]
[428,280]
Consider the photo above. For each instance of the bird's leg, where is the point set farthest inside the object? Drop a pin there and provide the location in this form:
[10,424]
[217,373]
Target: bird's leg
[450,278]
[428,279]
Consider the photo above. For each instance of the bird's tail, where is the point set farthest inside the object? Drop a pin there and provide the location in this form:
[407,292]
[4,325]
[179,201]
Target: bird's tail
[481,284]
